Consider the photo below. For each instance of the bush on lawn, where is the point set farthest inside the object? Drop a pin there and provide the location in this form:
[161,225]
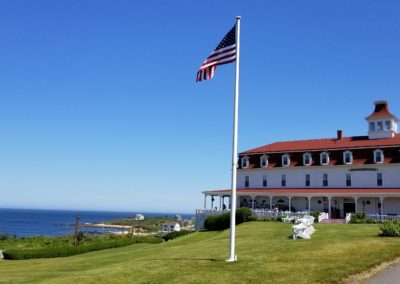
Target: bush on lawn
[269,219]
[18,254]
[222,221]
[315,214]
[175,234]
[390,229]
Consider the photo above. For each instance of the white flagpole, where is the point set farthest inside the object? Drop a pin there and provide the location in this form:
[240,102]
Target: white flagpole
[232,256]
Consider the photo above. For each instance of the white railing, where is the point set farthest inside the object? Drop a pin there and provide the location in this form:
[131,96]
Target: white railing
[348,218]
[381,218]
[322,216]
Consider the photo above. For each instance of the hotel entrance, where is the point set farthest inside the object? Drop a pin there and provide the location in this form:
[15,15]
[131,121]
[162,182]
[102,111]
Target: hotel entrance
[349,208]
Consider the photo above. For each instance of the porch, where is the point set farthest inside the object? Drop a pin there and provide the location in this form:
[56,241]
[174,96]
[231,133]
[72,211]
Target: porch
[336,202]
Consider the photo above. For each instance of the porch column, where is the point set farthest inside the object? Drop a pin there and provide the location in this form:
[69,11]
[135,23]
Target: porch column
[381,200]
[270,202]
[220,202]
[212,201]
[205,201]
[329,207]
[309,203]
[355,204]
[252,202]
[290,203]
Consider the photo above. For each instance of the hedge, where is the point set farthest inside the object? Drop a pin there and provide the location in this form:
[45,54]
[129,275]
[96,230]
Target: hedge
[175,234]
[18,254]
[222,221]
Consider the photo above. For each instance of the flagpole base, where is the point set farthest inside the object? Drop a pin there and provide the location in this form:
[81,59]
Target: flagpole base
[232,259]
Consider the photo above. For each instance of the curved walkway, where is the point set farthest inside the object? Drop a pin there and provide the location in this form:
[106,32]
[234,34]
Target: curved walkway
[388,276]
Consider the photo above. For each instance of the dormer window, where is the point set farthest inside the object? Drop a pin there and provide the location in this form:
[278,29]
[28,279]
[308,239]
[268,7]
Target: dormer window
[379,126]
[372,126]
[347,158]
[307,159]
[285,160]
[245,162]
[388,125]
[324,158]
[378,156]
[264,161]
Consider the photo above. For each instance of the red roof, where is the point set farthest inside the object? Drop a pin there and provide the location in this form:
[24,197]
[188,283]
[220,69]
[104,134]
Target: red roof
[381,110]
[326,144]
[319,191]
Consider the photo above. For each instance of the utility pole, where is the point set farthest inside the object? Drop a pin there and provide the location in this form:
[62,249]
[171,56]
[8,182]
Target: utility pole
[77,218]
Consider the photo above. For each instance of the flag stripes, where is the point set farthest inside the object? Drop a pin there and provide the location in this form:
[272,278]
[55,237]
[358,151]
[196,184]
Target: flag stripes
[224,53]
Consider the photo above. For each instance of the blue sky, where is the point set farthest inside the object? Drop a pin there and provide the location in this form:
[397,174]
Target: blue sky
[99,108]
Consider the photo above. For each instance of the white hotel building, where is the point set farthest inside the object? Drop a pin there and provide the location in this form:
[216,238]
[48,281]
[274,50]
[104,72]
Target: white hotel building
[336,175]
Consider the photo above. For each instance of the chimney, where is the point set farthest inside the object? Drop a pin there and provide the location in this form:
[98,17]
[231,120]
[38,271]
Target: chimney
[339,135]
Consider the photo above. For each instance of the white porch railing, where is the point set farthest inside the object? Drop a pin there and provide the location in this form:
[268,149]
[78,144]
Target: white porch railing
[348,218]
[381,218]
[322,216]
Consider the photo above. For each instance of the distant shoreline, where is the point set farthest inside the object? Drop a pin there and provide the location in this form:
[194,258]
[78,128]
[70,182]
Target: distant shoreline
[45,222]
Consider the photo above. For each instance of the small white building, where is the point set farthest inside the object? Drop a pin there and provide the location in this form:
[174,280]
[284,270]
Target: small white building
[168,227]
[337,175]
[139,217]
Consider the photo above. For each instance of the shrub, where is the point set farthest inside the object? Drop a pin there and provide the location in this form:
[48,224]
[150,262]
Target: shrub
[390,229]
[280,218]
[269,219]
[315,214]
[62,251]
[223,221]
[359,215]
[4,236]
[217,222]
[243,215]
[175,234]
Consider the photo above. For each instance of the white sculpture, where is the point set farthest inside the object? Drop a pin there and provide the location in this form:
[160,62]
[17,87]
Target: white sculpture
[303,228]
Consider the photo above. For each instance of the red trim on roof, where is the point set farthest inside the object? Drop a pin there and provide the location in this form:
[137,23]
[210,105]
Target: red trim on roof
[326,144]
[310,190]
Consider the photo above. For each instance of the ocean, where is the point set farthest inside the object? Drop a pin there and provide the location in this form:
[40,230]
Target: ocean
[33,222]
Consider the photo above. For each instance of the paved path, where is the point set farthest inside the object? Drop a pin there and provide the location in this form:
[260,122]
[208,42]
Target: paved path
[388,276]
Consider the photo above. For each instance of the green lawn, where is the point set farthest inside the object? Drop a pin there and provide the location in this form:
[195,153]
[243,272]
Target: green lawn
[266,255]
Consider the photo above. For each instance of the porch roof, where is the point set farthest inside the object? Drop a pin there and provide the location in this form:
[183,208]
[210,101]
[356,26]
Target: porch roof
[309,191]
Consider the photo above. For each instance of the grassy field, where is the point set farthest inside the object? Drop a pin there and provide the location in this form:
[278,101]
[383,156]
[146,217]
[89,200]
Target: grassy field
[266,255]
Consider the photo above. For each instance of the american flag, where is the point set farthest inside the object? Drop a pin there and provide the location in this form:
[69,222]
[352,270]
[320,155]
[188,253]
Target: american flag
[224,53]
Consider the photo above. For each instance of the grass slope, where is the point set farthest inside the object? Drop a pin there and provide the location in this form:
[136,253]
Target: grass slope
[266,255]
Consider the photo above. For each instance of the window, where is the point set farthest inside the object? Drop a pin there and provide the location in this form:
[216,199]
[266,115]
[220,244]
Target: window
[379,126]
[308,180]
[245,162]
[264,161]
[307,159]
[388,125]
[265,181]
[347,158]
[283,181]
[378,156]
[246,181]
[372,126]
[379,179]
[324,158]
[325,180]
[348,179]
[285,160]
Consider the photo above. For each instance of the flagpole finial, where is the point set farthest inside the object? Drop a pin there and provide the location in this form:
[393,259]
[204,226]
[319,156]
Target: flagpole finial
[238,17]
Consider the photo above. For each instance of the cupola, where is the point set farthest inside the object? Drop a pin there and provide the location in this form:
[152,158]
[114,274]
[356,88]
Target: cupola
[381,123]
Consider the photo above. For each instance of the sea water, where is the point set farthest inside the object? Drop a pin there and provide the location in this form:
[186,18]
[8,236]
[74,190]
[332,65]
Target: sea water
[33,222]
